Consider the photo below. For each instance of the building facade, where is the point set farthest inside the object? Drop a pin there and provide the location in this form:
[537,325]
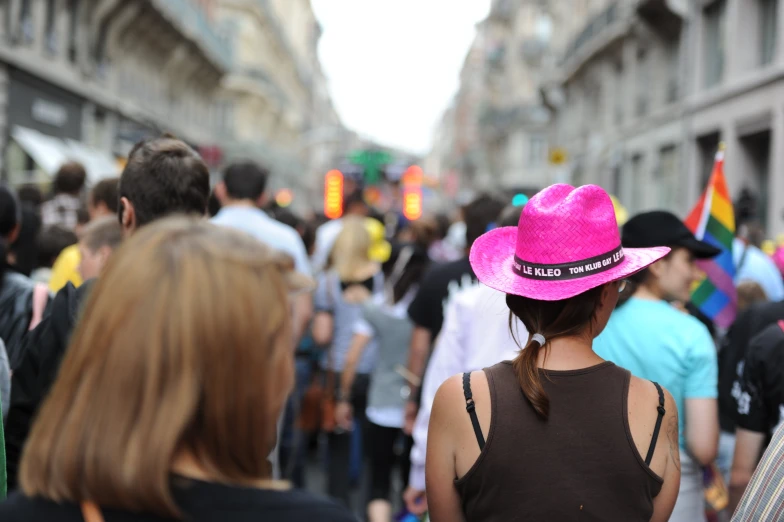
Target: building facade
[495,134]
[645,90]
[85,79]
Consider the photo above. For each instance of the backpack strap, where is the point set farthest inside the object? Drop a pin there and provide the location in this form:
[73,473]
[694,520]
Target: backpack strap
[40,298]
[659,419]
[471,409]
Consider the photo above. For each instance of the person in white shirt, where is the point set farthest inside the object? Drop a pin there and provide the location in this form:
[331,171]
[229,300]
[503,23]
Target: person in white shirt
[475,335]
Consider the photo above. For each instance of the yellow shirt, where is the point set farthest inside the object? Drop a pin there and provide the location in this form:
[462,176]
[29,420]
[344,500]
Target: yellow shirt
[66,268]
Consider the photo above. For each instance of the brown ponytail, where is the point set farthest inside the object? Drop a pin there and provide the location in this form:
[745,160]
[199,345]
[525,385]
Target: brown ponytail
[528,374]
[551,319]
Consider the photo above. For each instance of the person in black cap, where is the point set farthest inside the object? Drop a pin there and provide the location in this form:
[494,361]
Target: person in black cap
[658,341]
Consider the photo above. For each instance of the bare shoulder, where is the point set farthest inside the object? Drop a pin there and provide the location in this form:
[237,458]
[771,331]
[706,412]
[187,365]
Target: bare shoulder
[643,404]
[451,395]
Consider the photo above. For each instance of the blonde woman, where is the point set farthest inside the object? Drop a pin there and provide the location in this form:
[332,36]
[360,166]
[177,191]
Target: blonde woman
[352,278]
[166,403]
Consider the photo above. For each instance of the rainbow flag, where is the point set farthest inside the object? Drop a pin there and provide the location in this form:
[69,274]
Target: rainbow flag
[712,220]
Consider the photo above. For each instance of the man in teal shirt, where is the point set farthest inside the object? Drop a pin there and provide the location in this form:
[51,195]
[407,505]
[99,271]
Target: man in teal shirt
[651,337]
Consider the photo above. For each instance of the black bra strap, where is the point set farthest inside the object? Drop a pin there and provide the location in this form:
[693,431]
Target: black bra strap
[471,409]
[658,424]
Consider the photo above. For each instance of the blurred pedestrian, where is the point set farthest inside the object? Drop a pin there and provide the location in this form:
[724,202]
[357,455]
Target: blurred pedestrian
[242,193]
[67,185]
[439,285]
[189,417]
[353,205]
[162,176]
[654,340]
[99,240]
[475,335]
[23,251]
[443,251]
[101,202]
[384,320]
[353,276]
[752,264]
[763,500]
[52,241]
[22,302]
[760,404]
[523,436]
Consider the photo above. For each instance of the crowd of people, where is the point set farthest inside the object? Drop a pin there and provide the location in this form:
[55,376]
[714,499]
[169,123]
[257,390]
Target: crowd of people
[170,349]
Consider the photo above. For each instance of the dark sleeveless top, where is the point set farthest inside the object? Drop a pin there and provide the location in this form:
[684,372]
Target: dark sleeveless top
[579,465]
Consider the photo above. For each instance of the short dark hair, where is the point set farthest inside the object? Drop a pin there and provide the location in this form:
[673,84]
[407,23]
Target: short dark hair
[70,178]
[164,176]
[245,180]
[31,194]
[354,199]
[479,215]
[51,242]
[82,216]
[105,191]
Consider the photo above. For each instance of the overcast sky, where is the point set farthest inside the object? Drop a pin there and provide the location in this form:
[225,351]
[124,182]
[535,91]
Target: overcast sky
[393,65]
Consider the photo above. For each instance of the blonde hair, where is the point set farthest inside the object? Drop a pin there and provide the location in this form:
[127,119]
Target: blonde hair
[181,348]
[350,251]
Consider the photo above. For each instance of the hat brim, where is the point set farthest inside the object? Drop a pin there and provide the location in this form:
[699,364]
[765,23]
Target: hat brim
[492,258]
[700,249]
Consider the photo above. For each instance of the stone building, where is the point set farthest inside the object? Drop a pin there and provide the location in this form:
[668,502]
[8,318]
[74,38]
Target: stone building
[495,134]
[85,79]
[646,89]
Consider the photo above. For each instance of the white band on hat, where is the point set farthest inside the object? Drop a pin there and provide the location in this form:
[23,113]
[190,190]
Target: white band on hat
[539,338]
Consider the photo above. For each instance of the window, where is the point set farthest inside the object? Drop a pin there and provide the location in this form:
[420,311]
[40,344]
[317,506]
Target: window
[638,183]
[673,71]
[51,36]
[26,21]
[643,82]
[619,91]
[537,151]
[666,184]
[714,19]
[768,16]
[74,10]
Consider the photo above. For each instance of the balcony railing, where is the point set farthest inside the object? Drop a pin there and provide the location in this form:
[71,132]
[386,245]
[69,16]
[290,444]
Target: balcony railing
[194,22]
[595,27]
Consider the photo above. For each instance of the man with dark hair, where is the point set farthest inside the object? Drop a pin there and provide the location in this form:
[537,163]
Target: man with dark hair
[163,176]
[242,194]
[104,198]
[68,184]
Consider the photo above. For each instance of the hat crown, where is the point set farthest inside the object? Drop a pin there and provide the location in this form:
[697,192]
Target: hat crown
[563,224]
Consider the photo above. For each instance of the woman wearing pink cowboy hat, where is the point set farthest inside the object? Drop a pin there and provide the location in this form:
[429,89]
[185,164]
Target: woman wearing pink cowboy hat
[558,433]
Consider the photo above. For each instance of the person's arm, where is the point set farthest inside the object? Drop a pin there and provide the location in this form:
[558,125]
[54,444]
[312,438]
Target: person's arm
[701,408]
[324,306]
[343,411]
[448,359]
[418,350]
[5,383]
[748,446]
[664,502]
[443,501]
[303,313]
[764,493]
[758,403]
[702,429]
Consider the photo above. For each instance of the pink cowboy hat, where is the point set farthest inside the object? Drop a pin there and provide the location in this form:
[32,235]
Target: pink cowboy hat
[565,243]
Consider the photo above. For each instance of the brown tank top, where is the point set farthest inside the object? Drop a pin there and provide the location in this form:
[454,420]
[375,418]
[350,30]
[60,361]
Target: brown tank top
[579,465]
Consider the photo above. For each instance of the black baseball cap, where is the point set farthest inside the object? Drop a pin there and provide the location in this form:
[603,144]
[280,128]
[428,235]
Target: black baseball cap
[662,228]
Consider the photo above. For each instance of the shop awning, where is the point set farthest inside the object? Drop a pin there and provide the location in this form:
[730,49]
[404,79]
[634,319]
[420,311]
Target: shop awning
[47,152]
[98,164]
[50,153]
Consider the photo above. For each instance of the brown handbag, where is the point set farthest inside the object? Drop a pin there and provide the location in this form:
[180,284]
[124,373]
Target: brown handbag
[317,409]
